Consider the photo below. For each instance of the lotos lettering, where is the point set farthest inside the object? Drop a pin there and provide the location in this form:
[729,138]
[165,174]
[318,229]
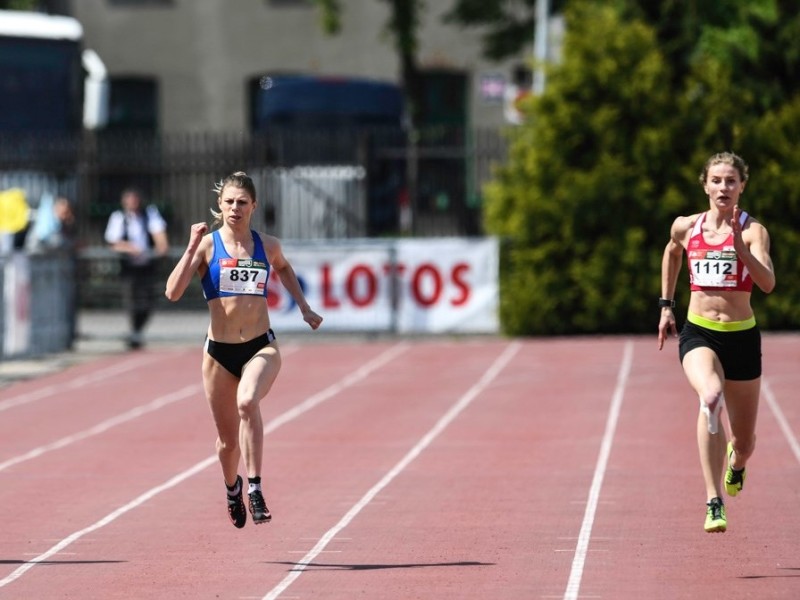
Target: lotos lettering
[427,284]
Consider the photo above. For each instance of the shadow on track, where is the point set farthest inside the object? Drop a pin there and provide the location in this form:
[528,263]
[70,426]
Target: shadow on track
[316,566]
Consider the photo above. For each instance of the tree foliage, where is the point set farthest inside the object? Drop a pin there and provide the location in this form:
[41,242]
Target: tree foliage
[773,196]
[611,153]
[330,15]
[402,28]
[585,189]
[508,25]
[19,5]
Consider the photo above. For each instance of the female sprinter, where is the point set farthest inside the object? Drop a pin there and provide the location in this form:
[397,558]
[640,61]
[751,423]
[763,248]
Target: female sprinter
[242,357]
[720,344]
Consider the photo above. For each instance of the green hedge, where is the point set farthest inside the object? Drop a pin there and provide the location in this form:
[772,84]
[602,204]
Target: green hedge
[609,157]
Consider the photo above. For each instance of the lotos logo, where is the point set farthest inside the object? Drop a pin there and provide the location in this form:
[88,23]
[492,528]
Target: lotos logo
[426,285]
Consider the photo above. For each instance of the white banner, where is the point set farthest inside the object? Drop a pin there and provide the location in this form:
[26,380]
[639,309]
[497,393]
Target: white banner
[407,285]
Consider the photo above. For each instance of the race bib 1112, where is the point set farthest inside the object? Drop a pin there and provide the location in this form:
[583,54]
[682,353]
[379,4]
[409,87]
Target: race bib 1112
[713,268]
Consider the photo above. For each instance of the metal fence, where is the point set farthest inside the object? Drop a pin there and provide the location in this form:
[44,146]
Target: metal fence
[345,183]
[426,184]
[98,270]
[314,202]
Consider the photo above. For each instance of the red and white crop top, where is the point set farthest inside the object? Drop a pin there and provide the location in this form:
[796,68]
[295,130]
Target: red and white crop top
[715,267]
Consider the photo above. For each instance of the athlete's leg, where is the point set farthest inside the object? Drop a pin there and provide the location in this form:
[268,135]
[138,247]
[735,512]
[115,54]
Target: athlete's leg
[220,386]
[741,398]
[258,376]
[705,375]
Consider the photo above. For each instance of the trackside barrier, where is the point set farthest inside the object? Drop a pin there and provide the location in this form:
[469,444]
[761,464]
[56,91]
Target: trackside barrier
[406,285]
[401,285]
[37,307]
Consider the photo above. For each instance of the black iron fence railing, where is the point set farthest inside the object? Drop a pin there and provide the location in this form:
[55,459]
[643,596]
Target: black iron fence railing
[312,184]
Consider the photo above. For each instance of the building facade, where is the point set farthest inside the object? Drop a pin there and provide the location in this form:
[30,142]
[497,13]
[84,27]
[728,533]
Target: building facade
[192,65]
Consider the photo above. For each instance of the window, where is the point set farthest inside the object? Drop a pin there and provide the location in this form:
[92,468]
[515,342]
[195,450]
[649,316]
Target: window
[133,104]
[444,98]
[330,102]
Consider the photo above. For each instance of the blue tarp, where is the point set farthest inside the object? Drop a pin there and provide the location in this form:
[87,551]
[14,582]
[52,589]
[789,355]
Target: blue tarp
[323,100]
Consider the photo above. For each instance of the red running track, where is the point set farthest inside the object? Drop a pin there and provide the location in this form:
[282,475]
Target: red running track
[441,468]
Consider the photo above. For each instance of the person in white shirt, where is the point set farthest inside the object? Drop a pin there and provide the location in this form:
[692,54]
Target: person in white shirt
[139,234]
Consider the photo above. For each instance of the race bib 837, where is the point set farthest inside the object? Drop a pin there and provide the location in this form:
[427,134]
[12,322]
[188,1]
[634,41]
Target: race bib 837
[242,276]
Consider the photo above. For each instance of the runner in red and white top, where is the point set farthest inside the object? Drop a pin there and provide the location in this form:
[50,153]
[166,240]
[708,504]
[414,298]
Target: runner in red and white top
[727,252]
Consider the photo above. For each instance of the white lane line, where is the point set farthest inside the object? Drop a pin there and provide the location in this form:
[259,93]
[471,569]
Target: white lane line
[129,415]
[113,516]
[491,373]
[111,422]
[293,413]
[579,559]
[78,382]
[783,423]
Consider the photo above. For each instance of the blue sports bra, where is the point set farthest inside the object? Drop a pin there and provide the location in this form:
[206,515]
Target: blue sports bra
[228,276]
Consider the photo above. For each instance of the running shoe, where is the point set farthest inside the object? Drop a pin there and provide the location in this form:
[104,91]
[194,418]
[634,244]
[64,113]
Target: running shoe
[258,508]
[236,509]
[715,516]
[734,479]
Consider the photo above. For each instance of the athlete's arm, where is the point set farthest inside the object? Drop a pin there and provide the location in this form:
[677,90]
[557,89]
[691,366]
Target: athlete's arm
[671,262]
[754,251]
[289,279]
[192,261]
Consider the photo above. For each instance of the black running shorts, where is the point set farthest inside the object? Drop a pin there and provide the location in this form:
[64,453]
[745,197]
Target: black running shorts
[738,351]
[235,356]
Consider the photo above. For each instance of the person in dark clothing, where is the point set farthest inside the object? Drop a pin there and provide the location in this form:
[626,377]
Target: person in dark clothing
[139,234]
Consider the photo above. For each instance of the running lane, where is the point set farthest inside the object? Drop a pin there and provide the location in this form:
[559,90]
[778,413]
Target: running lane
[483,510]
[441,468]
[648,539]
[119,476]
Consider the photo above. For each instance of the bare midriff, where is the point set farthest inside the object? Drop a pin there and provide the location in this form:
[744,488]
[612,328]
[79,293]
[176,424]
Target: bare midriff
[237,319]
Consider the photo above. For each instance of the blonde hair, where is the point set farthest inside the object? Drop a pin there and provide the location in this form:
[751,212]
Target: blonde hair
[239,179]
[725,158]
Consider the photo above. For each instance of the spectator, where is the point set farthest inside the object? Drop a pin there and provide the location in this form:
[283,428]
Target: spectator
[139,235]
[54,227]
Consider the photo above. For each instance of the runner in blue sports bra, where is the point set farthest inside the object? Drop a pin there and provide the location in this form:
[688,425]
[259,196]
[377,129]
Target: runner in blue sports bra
[250,275]
[242,357]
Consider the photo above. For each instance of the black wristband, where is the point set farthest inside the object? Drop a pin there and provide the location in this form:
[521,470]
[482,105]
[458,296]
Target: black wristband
[666,303]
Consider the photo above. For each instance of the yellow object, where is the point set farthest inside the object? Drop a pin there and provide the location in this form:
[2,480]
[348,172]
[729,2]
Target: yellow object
[716,521]
[734,480]
[721,325]
[14,210]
